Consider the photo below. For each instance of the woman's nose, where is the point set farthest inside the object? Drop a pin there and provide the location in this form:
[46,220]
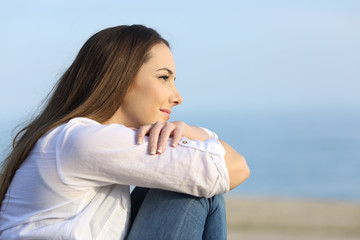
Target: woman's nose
[176,97]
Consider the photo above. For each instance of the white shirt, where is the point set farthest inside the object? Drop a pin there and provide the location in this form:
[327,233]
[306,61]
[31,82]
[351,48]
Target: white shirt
[75,182]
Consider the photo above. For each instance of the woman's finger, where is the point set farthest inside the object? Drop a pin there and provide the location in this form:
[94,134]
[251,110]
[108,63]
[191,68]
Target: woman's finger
[141,132]
[177,135]
[166,133]
[154,136]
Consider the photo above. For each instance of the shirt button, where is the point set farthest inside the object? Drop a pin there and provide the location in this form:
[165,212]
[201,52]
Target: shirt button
[184,142]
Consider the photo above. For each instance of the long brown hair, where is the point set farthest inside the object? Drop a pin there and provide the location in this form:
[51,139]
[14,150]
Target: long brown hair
[94,86]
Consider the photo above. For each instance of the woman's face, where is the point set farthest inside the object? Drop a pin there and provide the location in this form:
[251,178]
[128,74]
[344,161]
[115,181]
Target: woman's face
[153,94]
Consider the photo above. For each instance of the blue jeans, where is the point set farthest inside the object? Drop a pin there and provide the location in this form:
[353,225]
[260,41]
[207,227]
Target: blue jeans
[173,216]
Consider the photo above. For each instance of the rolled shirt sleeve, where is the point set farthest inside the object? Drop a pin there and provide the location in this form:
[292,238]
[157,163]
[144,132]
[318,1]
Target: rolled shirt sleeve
[90,154]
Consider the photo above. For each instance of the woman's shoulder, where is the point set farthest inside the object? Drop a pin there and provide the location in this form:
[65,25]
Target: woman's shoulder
[82,121]
[87,131]
[84,124]
[83,131]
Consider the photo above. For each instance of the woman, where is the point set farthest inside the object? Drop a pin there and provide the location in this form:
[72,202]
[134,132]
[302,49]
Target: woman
[105,128]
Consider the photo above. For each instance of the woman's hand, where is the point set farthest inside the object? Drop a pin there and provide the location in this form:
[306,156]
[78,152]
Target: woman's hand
[159,134]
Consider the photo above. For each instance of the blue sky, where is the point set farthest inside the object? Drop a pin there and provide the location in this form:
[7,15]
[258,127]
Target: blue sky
[230,55]
[278,75]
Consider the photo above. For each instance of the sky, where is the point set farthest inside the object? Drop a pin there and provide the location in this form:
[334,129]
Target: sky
[278,80]
[230,55]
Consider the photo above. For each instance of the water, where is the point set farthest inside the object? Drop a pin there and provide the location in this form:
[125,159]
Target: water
[294,154]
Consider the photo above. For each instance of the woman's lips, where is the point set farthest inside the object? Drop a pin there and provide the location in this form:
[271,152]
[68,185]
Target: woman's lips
[166,111]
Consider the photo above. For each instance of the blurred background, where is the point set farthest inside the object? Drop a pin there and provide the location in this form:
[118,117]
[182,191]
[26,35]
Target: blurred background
[278,80]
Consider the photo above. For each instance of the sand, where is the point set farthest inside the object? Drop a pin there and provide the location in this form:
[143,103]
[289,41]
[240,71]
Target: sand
[260,218]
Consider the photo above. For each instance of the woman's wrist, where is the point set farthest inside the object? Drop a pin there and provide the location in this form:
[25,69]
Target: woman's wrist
[210,133]
[198,133]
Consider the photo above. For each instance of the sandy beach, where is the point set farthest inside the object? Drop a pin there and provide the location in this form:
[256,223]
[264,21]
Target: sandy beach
[260,219]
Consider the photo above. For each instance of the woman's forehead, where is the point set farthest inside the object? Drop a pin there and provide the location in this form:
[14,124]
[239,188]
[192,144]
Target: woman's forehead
[160,57]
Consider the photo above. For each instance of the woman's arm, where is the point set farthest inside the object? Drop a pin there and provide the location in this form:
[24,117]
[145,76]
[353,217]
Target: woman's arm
[235,162]
[90,154]
[236,165]
[161,131]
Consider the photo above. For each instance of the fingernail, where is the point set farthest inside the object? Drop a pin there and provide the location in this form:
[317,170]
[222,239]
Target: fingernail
[152,151]
[159,150]
[173,144]
[139,141]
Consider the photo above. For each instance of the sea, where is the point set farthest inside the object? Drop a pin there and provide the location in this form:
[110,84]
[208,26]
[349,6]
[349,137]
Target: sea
[292,153]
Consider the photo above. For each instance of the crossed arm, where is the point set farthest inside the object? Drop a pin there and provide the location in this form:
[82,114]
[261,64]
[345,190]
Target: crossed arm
[160,132]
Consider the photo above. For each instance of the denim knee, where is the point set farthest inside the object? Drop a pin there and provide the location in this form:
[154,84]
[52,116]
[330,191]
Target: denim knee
[172,215]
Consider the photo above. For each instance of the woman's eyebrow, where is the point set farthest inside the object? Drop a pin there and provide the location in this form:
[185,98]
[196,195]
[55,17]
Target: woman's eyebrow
[166,69]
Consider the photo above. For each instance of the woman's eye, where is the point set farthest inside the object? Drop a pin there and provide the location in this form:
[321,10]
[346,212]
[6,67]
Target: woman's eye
[165,78]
